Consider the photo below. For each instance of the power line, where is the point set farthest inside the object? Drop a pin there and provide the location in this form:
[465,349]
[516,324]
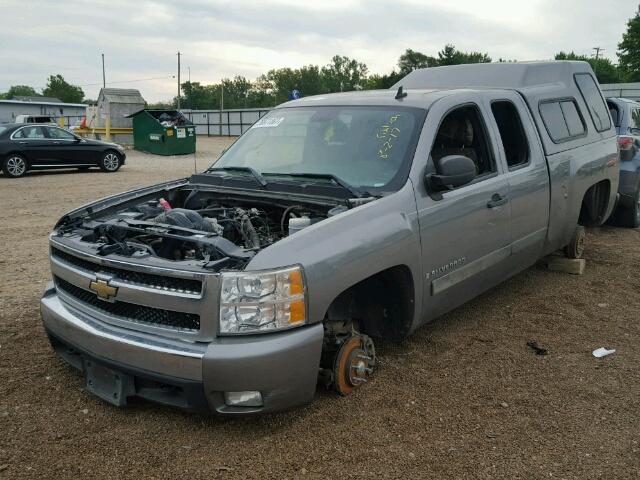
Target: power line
[128,81]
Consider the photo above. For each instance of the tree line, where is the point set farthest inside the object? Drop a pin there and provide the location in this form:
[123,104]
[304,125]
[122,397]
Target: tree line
[344,74]
[57,87]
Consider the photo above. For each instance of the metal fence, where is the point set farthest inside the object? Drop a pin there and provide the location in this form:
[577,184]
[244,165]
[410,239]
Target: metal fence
[231,123]
[70,120]
[625,90]
[224,122]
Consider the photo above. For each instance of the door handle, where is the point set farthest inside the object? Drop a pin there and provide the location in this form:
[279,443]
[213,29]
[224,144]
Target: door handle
[22,143]
[497,200]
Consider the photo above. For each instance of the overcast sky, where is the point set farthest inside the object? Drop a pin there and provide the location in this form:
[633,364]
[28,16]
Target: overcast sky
[226,38]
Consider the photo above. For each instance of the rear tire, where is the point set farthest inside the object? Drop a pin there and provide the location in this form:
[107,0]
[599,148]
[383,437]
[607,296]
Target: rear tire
[575,249]
[110,161]
[15,165]
[630,217]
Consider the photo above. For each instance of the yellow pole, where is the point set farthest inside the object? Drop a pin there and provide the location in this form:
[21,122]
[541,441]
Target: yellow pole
[61,122]
[108,128]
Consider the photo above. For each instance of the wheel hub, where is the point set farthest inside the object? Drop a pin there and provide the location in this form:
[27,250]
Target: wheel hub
[355,362]
[16,166]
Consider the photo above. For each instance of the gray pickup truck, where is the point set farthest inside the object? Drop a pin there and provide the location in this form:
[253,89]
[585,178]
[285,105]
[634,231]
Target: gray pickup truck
[333,221]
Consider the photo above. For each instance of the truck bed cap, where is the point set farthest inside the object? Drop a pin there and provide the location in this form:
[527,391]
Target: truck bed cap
[514,75]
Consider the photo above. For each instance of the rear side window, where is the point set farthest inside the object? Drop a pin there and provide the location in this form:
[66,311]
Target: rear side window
[572,117]
[562,120]
[514,140]
[595,103]
[635,119]
[615,114]
[29,133]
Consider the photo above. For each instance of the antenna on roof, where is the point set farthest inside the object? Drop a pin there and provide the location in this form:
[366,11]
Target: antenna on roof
[400,93]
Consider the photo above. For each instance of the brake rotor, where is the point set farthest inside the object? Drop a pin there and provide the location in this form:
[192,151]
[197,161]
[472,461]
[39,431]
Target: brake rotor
[355,362]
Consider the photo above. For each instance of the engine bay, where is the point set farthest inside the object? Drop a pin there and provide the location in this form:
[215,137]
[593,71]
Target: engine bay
[219,231]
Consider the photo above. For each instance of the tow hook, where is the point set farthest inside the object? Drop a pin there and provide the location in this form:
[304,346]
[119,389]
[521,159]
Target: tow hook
[354,363]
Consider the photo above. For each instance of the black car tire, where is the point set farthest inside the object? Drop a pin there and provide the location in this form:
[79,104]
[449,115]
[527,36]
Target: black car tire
[630,217]
[111,161]
[15,165]
[575,249]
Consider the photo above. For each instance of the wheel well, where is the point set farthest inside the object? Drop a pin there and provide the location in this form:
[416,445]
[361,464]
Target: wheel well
[381,305]
[113,150]
[595,204]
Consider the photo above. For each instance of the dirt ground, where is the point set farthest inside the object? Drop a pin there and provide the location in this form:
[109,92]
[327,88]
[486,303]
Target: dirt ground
[463,398]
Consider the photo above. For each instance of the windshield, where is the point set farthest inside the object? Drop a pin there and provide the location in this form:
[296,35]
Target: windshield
[367,147]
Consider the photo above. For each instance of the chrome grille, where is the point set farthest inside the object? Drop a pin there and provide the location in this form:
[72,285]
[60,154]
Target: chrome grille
[181,285]
[130,311]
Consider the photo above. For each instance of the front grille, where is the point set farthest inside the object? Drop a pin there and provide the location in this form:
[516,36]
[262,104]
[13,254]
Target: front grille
[130,311]
[128,276]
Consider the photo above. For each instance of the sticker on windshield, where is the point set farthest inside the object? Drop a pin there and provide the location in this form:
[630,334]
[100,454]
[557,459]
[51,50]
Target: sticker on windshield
[270,122]
[387,135]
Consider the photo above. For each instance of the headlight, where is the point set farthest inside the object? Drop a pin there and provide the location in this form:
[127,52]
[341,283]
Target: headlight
[255,302]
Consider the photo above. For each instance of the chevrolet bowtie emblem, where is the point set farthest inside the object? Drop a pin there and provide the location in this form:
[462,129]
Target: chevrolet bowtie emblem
[103,289]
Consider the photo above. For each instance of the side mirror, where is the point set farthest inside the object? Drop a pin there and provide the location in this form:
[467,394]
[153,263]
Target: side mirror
[453,171]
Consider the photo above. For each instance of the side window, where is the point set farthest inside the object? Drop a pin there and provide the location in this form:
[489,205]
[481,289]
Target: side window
[634,124]
[29,133]
[59,133]
[572,118]
[615,114]
[463,132]
[514,140]
[592,97]
[562,119]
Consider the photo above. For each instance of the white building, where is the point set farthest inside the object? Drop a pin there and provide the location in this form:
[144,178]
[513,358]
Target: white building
[10,109]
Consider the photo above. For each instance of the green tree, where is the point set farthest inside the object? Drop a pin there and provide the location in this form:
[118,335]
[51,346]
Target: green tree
[196,96]
[20,91]
[343,74]
[629,50]
[605,70]
[380,82]
[450,56]
[58,87]
[411,60]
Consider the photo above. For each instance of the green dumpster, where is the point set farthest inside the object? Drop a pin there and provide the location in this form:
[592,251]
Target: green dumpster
[163,132]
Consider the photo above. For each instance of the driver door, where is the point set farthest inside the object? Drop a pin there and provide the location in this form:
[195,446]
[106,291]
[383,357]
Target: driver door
[65,147]
[465,232]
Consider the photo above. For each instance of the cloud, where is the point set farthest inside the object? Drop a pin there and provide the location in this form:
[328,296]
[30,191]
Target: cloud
[226,38]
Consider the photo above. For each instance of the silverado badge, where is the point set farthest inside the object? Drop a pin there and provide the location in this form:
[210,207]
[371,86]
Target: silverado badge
[103,289]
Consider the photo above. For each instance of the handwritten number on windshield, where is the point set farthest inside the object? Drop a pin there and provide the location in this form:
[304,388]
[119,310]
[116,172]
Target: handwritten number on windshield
[388,133]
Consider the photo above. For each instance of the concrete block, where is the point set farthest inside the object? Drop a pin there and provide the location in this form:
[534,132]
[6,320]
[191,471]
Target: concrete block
[574,266]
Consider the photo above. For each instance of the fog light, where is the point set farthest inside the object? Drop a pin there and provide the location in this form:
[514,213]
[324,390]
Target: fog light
[243,399]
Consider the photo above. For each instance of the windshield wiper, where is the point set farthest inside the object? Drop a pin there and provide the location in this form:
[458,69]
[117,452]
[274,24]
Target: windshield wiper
[355,191]
[256,174]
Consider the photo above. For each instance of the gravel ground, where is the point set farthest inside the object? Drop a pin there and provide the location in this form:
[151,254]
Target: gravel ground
[463,398]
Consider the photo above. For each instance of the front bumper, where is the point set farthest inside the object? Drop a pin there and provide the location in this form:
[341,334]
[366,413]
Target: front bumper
[192,375]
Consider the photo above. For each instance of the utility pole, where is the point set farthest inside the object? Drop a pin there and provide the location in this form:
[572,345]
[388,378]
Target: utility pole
[597,56]
[178,80]
[222,95]
[104,79]
[598,50]
[189,68]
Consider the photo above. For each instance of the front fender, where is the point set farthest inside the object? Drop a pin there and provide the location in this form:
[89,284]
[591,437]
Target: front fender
[341,251]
